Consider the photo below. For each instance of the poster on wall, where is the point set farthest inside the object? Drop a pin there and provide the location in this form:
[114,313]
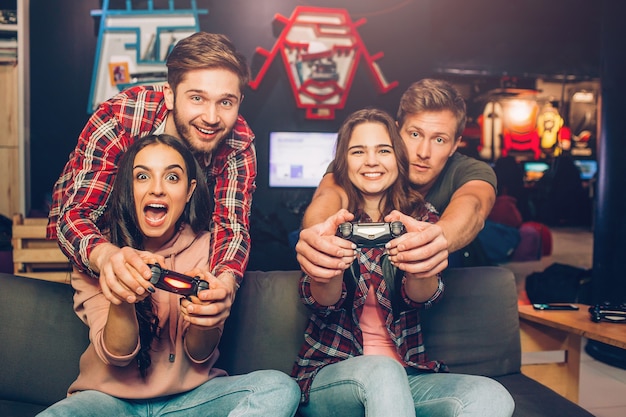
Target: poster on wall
[133,43]
[320,49]
[119,73]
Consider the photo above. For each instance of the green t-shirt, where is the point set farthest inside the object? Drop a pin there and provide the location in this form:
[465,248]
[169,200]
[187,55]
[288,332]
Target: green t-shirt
[458,170]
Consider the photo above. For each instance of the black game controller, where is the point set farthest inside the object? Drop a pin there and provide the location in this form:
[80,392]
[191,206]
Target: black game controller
[608,312]
[176,282]
[370,235]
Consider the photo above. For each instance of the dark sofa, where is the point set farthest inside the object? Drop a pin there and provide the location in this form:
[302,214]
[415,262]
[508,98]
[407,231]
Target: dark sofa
[474,329]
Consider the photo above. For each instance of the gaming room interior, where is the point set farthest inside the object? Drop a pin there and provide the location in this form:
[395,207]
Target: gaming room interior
[543,83]
[532,90]
[530,73]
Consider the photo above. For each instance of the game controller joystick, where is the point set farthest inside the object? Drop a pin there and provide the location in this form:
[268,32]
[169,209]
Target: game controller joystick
[176,282]
[370,235]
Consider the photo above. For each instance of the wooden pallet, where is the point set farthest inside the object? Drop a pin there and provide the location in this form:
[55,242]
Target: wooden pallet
[34,256]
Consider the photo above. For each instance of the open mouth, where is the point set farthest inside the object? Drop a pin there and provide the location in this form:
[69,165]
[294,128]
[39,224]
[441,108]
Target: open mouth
[155,214]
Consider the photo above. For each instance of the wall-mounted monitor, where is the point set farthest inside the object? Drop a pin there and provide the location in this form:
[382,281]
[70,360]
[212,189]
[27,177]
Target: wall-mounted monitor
[300,159]
[534,170]
[587,168]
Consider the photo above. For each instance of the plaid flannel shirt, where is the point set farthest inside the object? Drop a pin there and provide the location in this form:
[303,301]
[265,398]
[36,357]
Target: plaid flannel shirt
[81,193]
[333,333]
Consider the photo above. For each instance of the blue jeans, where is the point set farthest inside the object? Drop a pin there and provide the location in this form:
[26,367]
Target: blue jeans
[378,386]
[260,393]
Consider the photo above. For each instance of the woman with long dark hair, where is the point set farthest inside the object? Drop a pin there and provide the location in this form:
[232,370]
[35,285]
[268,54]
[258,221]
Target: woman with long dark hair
[155,354]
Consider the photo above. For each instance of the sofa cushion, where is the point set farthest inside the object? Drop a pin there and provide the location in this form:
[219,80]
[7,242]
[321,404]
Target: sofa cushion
[272,332]
[42,340]
[535,400]
[474,328]
[266,324]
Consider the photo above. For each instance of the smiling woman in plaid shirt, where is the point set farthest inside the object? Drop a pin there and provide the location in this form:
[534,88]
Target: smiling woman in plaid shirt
[199,104]
[363,352]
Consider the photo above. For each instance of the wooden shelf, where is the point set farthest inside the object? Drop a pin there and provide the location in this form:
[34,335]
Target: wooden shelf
[14,117]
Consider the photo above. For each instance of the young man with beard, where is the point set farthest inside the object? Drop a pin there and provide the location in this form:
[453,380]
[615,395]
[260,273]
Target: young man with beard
[431,117]
[199,104]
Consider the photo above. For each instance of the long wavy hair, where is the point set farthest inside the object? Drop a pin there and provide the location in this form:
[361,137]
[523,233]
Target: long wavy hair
[124,230]
[401,195]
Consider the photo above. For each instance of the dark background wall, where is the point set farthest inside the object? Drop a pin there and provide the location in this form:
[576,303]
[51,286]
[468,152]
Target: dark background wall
[418,37]
[609,231]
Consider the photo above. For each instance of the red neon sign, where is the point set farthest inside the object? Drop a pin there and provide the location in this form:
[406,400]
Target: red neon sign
[320,49]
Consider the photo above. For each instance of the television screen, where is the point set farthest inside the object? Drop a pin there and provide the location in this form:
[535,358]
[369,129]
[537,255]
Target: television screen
[587,167]
[534,170]
[300,159]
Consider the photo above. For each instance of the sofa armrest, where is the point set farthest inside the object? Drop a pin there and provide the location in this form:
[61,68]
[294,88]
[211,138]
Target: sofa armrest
[42,340]
[475,327]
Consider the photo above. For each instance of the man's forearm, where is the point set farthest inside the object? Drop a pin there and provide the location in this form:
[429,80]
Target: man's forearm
[230,252]
[465,216]
[458,233]
[328,199]
[232,194]
[78,248]
[230,244]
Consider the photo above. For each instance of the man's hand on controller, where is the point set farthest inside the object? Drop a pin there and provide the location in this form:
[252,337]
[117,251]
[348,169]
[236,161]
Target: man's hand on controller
[422,250]
[124,273]
[320,252]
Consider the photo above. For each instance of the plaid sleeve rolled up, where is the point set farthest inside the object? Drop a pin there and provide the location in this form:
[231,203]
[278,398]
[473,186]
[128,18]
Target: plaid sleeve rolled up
[232,173]
[81,193]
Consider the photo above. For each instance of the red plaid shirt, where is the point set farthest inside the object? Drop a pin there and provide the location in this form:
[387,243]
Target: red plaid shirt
[334,334]
[81,193]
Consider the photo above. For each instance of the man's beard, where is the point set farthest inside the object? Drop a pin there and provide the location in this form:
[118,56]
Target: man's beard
[184,133]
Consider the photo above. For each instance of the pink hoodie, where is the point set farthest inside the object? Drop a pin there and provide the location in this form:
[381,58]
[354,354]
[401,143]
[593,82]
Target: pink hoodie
[172,370]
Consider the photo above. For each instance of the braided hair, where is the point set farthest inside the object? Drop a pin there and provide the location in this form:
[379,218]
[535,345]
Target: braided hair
[124,230]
